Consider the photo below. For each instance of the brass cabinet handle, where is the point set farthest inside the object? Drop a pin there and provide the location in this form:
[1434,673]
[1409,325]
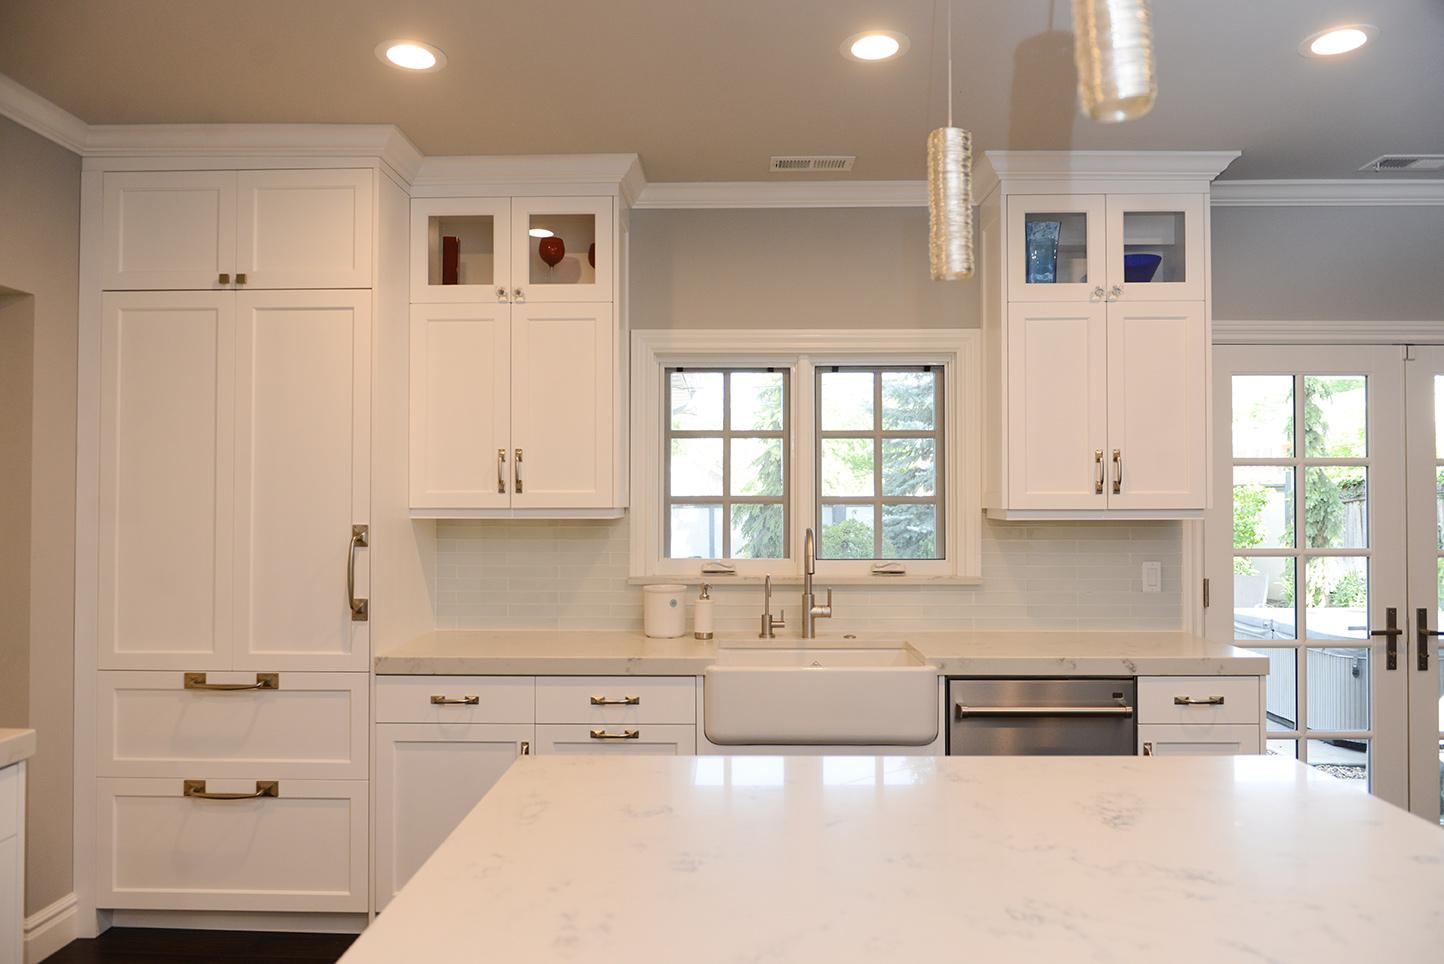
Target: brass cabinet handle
[1205,701]
[624,735]
[455,700]
[264,681]
[516,469]
[360,608]
[525,748]
[1148,749]
[1117,471]
[501,471]
[240,277]
[225,277]
[624,701]
[1098,467]
[197,789]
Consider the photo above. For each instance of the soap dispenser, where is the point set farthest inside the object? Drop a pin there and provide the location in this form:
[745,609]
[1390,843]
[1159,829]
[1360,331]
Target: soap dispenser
[702,614]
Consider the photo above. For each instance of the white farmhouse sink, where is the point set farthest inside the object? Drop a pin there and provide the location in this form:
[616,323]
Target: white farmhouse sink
[820,696]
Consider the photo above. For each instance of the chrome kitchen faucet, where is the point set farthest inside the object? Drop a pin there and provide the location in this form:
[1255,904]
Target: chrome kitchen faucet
[811,612]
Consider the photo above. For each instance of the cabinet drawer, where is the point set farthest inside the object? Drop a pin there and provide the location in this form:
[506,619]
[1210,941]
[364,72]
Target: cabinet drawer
[301,850]
[10,790]
[616,699]
[305,725]
[1158,698]
[655,739]
[1193,739]
[476,699]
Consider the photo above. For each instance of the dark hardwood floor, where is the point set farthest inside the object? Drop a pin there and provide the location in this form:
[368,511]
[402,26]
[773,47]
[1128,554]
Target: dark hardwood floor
[136,945]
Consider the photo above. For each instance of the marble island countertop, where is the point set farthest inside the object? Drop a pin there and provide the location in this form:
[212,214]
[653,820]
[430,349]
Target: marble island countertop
[1001,653]
[16,745]
[852,859]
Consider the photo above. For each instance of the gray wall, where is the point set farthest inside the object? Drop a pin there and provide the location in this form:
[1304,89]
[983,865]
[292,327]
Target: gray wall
[39,254]
[17,379]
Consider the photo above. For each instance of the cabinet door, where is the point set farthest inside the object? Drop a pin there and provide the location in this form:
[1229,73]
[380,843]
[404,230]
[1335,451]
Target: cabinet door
[563,387]
[303,437]
[166,479]
[1157,353]
[172,229]
[1057,407]
[1157,241]
[1224,739]
[428,777]
[304,229]
[652,739]
[580,267]
[1055,247]
[461,250]
[461,406]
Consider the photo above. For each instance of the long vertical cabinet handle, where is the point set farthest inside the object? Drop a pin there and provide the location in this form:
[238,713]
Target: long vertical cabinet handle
[516,470]
[1098,468]
[360,608]
[501,471]
[1117,471]
[1422,634]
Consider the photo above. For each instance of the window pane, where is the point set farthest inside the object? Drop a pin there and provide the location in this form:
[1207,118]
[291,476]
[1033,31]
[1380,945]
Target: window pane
[756,466]
[910,531]
[697,401]
[1263,416]
[846,401]
[1337,598]
[908,467]
[1286,748]
[1439,508]
[1439,416]
[847,465]
[696,466]
[1334,416]
[908,400]
[1263,597]
[1336,506]
[847,532]
[756,401]
[696,532]
[1346,760]
[1338,683]
[1263,506]
[1281,687]
[757,531]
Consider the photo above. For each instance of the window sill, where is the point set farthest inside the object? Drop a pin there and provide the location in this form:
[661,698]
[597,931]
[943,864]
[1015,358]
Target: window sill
[721,582]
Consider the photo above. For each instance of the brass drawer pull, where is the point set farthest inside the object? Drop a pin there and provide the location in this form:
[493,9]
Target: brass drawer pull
[1098,467]
[360,539]
[624,735]
[1148,749]
[1117,471]
[455,700]
[624,701]
[1205,701]
[526,748]
[197,789]
[264,681]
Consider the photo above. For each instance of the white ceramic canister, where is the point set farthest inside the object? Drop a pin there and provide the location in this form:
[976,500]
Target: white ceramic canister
[664,613]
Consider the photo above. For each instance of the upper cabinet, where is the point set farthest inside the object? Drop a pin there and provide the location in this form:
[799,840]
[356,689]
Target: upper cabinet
[511,250]
[237,230]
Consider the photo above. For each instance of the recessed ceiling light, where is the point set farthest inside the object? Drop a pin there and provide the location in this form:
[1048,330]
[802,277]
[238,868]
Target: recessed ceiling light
[539,232]
[874,45]
[1338,40]
[411,55]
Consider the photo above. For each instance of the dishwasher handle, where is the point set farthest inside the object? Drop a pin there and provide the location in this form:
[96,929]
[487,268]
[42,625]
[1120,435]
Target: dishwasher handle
[962,711]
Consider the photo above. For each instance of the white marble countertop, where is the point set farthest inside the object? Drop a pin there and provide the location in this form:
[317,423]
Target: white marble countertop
[530,652]
[852,859]
[16,745]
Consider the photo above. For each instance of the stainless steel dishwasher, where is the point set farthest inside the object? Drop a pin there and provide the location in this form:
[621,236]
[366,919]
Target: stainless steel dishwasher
[1042,717]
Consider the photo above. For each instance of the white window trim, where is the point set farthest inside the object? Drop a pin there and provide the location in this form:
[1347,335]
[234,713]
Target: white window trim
[959,351]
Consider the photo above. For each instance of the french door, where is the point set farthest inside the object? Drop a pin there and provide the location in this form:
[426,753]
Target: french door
[1307,561]
[1424,384]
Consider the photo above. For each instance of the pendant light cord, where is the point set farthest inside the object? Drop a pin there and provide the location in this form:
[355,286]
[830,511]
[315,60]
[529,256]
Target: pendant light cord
[950,61]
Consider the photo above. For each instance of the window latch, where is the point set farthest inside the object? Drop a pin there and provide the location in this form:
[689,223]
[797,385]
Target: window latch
[889,569]
[716,568]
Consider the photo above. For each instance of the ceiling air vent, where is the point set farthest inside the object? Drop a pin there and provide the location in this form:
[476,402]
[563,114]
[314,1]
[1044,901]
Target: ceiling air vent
[813,162]
[1405,162]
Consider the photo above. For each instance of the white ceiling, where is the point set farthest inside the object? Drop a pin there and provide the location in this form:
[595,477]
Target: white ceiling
[708,89]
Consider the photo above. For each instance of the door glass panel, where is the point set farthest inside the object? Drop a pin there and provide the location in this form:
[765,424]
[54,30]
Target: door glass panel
[562,249]
[1337,597]
[696,532]
[1338,508]
[1263,416]
[460,249]
[1335,415]
[1439,508]
[1263,506]
[1153,247]
[1338,686]
[1439,416]
[1281,688]
[1346,760]
[1287,748]
[1057,247]
[1263,597]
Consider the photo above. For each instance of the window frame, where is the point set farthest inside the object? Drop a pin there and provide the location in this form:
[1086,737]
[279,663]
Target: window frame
[957,352]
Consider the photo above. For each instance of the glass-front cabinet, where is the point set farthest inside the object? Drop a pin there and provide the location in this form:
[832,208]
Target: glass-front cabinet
[1113,247]
[460,250]
[561,249]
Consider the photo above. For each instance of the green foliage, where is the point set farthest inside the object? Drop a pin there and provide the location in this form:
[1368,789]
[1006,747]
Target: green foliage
[848,539]
[1350,592]
[1248,505]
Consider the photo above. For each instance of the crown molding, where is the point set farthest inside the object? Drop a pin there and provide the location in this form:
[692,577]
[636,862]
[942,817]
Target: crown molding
[1356,192]
[1108,165]
[1292,331]
[50,120]
[570,173]
[784,194]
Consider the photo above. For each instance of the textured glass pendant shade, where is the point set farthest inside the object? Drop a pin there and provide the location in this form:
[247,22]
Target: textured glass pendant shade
[950,203]
[1113,47]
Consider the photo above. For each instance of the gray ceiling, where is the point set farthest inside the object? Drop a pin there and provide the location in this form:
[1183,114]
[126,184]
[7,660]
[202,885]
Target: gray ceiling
[708,89]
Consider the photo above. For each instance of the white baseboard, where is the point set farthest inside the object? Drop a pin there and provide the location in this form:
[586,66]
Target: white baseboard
[214,920]
[50,928]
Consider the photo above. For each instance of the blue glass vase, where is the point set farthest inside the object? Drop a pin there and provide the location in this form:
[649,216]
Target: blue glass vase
[1042,238]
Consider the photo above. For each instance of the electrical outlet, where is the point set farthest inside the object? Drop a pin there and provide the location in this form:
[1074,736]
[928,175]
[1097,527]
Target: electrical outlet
[1152,577]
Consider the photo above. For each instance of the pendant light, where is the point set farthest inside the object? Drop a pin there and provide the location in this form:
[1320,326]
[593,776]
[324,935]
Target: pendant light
[950,191]
[1113,50]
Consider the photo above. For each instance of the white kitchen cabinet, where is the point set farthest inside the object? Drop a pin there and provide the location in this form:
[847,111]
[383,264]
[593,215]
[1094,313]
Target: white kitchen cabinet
[652,739]
[428,777]
[479,231]
[1200,715]
[1199,740]
[12,863]
[1072,222]
[583,225]
[205,230]
[1169,227]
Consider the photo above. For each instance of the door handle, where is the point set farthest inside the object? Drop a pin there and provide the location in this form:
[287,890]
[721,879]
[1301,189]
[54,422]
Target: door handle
[501,471]
[264,681]
[1391,633]
[963,711]
[1098,467]
[1422,633]
[516,469]
[360,608]
[1117,471]
[197,790]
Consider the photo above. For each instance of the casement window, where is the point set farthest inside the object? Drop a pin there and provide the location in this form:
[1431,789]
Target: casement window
[869,438]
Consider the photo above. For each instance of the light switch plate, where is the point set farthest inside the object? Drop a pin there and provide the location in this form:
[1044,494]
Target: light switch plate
[1152,576]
